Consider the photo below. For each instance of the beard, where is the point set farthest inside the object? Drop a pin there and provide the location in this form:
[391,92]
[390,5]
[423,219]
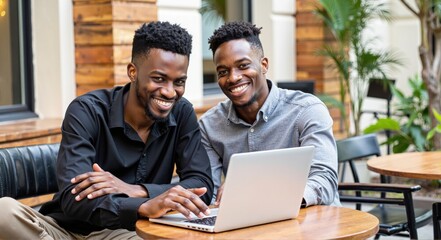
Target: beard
[252,100]
[149,113]
[147,108]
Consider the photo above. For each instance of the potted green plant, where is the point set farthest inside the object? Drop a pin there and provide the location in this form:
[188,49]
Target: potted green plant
[428,13]
[353,58]
[410,122]
[437,128]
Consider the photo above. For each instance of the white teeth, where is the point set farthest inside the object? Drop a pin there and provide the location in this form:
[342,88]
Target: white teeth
[238,88]
[163,103]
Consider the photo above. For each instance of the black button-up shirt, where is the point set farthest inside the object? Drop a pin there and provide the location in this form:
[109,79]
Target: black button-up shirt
[94,131]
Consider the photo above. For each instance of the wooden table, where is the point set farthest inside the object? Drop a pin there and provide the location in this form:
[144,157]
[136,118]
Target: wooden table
[317,222]
[421,165]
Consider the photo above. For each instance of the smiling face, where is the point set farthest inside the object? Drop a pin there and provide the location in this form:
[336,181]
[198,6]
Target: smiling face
[159,81]
[241,73]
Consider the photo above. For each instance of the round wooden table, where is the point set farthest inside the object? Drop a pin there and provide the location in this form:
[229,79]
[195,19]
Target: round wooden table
[317,222]
[421,165]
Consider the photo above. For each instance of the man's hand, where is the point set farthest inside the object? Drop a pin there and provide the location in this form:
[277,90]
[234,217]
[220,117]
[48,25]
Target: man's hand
[220,191]
[185,201]
[99,183]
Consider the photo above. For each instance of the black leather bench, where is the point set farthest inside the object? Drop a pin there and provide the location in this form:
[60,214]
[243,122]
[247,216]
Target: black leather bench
[28,171]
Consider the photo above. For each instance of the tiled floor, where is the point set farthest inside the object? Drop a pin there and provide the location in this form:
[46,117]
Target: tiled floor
[425,232]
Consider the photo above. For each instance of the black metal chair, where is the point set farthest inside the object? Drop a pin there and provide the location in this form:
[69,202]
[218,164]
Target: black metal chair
[396,214]
[306,86]
[28,171]
[436,211]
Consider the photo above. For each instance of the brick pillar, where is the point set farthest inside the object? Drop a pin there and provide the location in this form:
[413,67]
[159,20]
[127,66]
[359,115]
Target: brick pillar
[103,39]
[311,35]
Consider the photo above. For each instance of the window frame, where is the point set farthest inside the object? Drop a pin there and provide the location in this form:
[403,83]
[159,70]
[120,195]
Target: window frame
[212,88]
[26,108]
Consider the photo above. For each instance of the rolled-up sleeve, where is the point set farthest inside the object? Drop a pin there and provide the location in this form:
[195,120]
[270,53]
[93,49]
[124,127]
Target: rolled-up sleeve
[315,129]
[215,159]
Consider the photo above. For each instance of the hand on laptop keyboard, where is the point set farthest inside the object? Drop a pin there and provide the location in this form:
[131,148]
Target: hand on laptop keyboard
[185,201]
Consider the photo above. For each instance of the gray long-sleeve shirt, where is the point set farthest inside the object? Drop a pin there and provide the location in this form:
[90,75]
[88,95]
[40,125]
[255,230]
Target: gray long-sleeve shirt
[286,119]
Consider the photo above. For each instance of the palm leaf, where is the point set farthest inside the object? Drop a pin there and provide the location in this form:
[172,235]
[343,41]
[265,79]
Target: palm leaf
[383,124]
[214,9]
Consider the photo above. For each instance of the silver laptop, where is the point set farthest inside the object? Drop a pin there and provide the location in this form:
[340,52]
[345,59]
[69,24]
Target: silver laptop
[260,187]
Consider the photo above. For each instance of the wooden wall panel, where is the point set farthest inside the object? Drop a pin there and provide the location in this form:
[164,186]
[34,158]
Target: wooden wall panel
[93,12]
[93,55]
[311,61]
[85,88]
[306,5]
[123,32]
[309,32]
[308,47]
[104,32]
[133,11]
[93,74]
[120,74]
[96,34]
[308,18]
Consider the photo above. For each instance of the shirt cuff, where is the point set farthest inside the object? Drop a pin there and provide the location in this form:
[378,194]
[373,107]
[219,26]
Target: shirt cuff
[155,190]
[129,212]
[310,196]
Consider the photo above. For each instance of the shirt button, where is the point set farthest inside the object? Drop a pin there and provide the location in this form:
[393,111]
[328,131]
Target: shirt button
[144,154]
[252,130]
[266,118]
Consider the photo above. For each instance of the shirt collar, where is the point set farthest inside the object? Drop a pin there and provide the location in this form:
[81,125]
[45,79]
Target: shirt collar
[116,115]
[116,119]
[265,111]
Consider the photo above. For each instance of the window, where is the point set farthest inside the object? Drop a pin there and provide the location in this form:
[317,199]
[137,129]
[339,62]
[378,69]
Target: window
[16,83]
[214,14]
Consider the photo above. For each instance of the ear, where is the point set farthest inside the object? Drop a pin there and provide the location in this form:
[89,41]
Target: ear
[131,71]
[264,64]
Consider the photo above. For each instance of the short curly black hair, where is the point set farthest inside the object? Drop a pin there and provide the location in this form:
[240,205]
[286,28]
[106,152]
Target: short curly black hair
[162,35]
[236,30]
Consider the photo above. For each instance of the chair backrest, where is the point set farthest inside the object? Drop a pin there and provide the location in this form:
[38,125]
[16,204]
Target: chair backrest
[354,148]
[357,147]
[306,86]
[380,88]
[436,214]
[28,171]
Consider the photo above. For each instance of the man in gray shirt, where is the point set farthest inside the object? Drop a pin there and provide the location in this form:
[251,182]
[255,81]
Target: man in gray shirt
[260,116]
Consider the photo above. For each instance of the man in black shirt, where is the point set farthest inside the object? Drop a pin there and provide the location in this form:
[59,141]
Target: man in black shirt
[119,148]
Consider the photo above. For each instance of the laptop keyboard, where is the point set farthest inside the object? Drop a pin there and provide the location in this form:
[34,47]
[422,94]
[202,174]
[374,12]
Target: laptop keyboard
[209,221]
